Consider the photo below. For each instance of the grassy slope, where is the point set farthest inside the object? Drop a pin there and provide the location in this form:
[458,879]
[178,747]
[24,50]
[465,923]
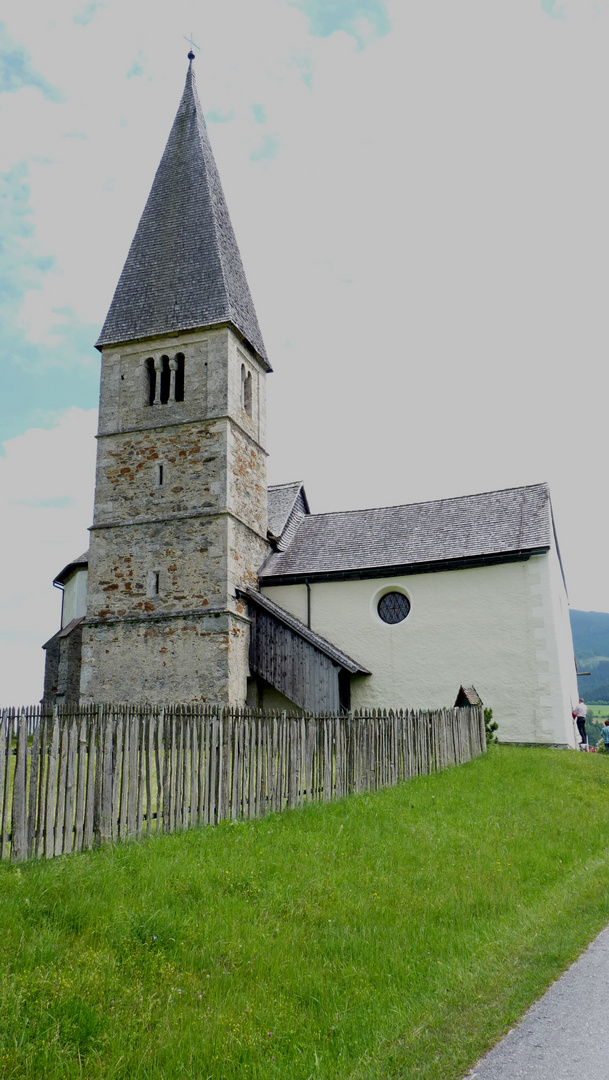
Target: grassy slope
[388,935]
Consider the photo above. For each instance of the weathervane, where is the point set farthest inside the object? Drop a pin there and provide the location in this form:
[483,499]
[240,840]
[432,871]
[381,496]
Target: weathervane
[193,45]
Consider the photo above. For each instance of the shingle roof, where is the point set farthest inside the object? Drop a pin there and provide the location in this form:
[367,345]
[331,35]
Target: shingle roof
[303,631]
[496,524]
[65,631]
[287,504]
[468,695]
[183,270]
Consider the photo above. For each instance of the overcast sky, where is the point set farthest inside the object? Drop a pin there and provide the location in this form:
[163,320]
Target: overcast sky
[420,193]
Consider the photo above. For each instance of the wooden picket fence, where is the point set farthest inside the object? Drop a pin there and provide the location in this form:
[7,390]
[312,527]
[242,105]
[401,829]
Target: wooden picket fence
[82,776]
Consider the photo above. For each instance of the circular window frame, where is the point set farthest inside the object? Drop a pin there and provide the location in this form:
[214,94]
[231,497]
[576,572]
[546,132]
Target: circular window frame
[378,600]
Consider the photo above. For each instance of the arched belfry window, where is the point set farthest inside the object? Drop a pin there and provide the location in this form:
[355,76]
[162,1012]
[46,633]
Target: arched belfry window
[177,367]
[164,379]
[150,381]
[246,390]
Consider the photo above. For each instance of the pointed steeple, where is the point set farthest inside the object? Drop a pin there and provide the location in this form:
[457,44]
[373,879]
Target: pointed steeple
[183,270]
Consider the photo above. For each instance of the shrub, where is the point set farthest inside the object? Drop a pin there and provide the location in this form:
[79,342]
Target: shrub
[490,727]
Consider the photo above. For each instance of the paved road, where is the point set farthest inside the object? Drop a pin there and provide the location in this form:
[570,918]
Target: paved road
[564,1035]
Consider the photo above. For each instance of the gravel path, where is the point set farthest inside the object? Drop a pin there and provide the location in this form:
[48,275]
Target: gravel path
[564,1035]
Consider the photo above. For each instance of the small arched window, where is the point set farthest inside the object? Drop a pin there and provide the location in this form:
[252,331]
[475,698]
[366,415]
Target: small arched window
[246,390]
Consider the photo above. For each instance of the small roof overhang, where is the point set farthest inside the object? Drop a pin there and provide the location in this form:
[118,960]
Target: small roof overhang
[81,563]
[468,695]
[64,632]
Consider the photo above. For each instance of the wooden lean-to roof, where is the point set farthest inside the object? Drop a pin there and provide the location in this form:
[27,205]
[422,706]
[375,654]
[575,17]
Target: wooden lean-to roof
[320,644]
[184,270]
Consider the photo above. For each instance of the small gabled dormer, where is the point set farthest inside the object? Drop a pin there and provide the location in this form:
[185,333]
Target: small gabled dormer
[288,505]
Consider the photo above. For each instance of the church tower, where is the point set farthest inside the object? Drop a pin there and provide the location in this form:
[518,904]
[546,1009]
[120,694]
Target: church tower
[180,518]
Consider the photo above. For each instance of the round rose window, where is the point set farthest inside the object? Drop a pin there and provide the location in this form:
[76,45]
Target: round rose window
[393,607]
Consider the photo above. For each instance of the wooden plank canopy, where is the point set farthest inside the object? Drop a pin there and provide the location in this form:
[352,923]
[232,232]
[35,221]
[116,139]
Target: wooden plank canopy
[308,670]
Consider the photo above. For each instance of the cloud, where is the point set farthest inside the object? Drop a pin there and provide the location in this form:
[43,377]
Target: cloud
[364,20]
[574,10]
[20,267]
[87,15]
[46,490]
[135,70]
[553,8]
[259,113]
[58,502]
[16,71]
[304,64]
[65,345]
[218,116]
[266,150]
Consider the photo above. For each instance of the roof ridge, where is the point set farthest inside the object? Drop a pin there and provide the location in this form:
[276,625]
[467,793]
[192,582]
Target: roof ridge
[430,502]
[192,83]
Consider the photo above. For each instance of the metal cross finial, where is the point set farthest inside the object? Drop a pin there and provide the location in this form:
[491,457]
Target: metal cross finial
[193,45]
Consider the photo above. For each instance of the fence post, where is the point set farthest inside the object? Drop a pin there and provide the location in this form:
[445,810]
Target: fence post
[6,727]
[19,813]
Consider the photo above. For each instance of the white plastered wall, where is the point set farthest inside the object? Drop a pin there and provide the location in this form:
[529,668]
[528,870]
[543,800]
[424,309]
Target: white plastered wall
[74,597]
[566,670]
[503,629]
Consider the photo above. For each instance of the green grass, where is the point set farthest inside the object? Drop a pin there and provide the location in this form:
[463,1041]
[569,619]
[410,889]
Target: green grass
[395,934]
[601,712]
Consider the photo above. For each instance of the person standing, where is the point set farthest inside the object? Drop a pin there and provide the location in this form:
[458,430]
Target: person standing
[579,715]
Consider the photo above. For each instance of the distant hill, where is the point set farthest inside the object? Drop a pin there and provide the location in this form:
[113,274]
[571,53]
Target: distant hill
[590,631]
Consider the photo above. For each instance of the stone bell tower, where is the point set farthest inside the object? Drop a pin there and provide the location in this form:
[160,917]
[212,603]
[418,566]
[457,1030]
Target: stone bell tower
[180,518]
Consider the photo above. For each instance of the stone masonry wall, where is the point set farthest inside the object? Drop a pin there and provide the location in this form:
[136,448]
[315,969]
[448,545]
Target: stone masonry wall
[130,485]
[63,667]
[159,660]
[187,554]
[179,524]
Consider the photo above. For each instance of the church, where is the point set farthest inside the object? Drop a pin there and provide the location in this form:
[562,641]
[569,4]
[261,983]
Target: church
[202,583]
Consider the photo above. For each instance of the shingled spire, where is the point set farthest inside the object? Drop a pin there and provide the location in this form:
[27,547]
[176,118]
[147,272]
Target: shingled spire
[183,270]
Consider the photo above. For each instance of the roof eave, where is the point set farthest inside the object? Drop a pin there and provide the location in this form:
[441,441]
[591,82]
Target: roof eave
[399,569]
[110,342]
[78,564]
